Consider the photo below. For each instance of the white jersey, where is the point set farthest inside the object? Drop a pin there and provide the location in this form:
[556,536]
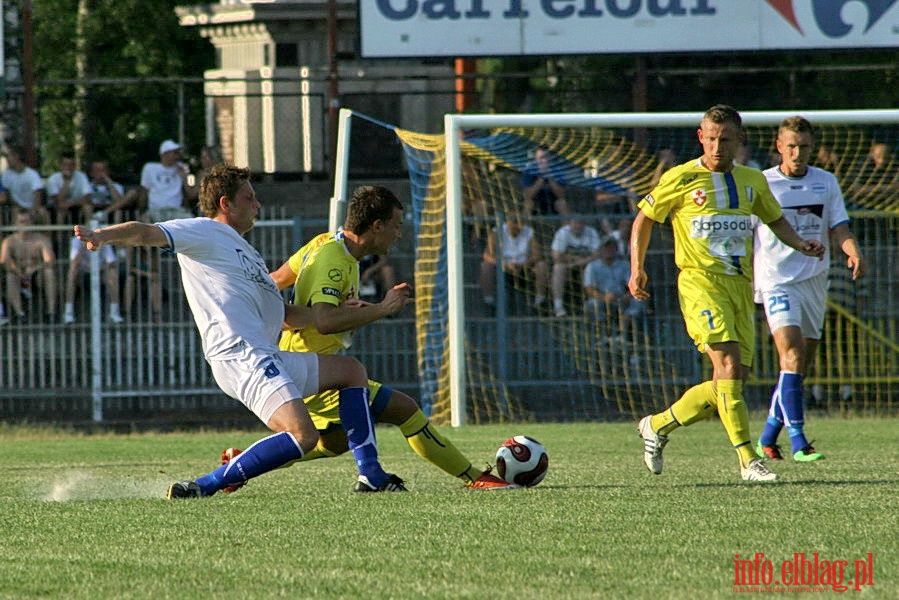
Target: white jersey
[567,242]
[79,186]
[813,204]
[236,305]
[516,250]
[163,185]
[21,185]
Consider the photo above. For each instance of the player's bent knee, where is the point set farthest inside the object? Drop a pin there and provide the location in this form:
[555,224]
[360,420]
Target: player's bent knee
[338,372]
[306,440]
[399,409]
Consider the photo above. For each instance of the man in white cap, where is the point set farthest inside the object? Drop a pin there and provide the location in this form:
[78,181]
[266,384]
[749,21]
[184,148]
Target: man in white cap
[165,185]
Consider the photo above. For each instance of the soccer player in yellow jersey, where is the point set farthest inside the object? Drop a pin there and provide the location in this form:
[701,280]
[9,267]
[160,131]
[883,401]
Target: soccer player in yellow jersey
[325,276]
[710,201]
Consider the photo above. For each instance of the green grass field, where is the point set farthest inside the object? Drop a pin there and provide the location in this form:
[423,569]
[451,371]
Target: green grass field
[85,517]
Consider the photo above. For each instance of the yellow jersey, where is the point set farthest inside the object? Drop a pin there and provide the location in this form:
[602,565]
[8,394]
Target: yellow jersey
[326,272]
[711,215]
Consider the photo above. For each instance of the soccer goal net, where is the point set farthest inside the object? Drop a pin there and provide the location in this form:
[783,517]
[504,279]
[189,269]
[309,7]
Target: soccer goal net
[537,343]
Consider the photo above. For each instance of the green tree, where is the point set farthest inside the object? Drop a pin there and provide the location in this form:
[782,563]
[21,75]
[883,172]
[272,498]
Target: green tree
[124,39]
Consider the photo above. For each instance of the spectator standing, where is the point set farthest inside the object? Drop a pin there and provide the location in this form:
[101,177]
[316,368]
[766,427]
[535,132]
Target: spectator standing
[28,258]
[544,194]
[68,190]
[573,246]
[24,186]
[164,185]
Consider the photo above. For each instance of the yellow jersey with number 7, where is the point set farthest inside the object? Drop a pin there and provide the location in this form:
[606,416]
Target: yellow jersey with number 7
[710,214]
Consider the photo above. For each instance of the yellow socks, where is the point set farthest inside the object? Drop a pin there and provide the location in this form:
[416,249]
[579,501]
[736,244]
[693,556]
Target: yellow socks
[429,444]
[318,452]
[700,402]
[696,404]
[735,418]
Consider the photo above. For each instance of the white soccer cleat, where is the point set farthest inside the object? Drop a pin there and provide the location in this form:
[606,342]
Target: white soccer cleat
[653,443]
[757,471]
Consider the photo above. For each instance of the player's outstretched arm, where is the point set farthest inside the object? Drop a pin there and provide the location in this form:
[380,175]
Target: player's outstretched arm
[132,233]
[785,233]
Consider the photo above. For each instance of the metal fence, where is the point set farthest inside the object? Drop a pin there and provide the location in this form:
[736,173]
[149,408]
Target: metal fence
[150,369]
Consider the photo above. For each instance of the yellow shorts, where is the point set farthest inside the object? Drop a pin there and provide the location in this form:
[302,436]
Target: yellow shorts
[718,308]
[324,407]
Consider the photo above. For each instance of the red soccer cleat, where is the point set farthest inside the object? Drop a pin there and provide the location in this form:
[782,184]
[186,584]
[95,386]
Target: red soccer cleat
[488,481]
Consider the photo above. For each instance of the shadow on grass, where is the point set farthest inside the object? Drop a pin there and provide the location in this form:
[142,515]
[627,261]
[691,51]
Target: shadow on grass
[804,482]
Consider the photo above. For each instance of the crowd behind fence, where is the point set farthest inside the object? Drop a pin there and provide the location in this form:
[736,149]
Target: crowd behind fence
[151,369]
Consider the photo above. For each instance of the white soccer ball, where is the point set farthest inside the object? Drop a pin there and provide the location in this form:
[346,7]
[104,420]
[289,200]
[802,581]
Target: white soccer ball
[522,460]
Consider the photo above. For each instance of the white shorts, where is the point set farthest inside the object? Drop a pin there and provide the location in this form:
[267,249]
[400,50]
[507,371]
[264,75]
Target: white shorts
[76,247]
[263,381]
[800,304]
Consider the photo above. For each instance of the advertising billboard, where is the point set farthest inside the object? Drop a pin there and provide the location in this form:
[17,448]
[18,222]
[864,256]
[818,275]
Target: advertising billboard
[422,28]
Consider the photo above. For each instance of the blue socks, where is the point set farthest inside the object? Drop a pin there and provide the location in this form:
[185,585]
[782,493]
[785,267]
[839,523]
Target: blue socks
[786,409]
[280,449]
[263,456]
[793,410]
[360,433]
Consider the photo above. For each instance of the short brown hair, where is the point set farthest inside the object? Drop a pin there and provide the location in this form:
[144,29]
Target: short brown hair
[368,204]
[723,113]
[222,180]
[796,124]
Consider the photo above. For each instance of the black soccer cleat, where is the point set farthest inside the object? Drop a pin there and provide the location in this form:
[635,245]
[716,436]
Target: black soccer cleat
[391,484]
[184,489]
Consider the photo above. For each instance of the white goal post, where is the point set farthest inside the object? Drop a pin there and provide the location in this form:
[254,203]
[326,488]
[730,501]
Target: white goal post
[455,124]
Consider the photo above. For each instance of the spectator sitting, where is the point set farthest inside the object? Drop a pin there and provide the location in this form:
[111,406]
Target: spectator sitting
[573,246]
[68,190]
[876,180]
[622,236]
[376,276]
[105,193]
[24,186]
[826,159]
[605,285]
[609,203]
[744,157]
[24,255]
[521,259]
